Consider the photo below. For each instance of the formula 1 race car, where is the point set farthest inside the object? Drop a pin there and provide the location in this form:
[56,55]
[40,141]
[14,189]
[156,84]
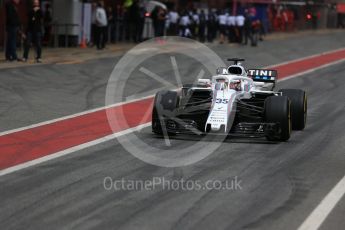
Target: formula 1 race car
[234,102]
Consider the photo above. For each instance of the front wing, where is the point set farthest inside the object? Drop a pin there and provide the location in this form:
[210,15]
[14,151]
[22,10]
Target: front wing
[243,129]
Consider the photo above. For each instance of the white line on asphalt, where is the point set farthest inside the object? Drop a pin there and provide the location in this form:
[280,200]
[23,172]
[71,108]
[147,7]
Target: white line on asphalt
[304,58]
[311,70]
[72,150]
[320,213]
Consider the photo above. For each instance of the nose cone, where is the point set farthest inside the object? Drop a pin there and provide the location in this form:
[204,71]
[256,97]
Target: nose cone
[222,112]
[215,127]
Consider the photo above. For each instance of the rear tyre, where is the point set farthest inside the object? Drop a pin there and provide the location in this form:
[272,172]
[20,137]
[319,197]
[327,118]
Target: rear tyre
[164,106]
[299,108]
[277,110]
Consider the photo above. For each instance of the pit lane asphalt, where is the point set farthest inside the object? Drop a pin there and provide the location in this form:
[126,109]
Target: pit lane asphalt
[281,183]
[33,94]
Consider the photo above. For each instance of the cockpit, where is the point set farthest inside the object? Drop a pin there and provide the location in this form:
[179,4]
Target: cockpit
[233,77]
[235,85]
[223,84]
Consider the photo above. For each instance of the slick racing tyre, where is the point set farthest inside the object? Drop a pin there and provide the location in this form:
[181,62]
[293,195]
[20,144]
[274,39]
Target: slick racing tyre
[278,110]
[165,105]
[299,105]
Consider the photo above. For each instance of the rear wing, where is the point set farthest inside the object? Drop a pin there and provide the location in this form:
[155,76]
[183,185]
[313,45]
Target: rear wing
[261,75]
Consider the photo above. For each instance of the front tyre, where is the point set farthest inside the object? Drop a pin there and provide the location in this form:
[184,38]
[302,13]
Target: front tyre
[165,105]
[278,110]
[299,106]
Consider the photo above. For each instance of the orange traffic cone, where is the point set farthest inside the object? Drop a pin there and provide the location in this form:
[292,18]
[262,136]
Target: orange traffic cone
[83,43]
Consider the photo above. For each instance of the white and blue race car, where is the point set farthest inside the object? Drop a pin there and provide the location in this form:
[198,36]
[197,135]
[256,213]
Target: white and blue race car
[235,102]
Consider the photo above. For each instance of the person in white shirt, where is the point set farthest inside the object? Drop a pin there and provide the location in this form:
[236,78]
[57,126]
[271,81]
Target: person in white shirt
[240,27]
[185,22]
[101,26]
[222,18]
[231,22]
[173,18]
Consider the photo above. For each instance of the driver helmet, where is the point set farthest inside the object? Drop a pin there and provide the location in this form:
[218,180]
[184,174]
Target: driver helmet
[235,85]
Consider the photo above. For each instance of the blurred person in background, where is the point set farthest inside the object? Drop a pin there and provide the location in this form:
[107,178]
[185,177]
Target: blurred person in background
[154,17]
[161,18]
[158,16]
[185,23]
[47,22]
[231,23]
[222,18]
[285,20]
[173,18]
[240,20]
[141,24]
[202,25]
[134,21]
[93,24]
[256,27]
[212,23]
[12,26]
[247,28]
[314,19]
[34,32]
[278,19]
[291,21]
[126,24]
[111,25]
[195,23]
[101,26]
[119,22]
